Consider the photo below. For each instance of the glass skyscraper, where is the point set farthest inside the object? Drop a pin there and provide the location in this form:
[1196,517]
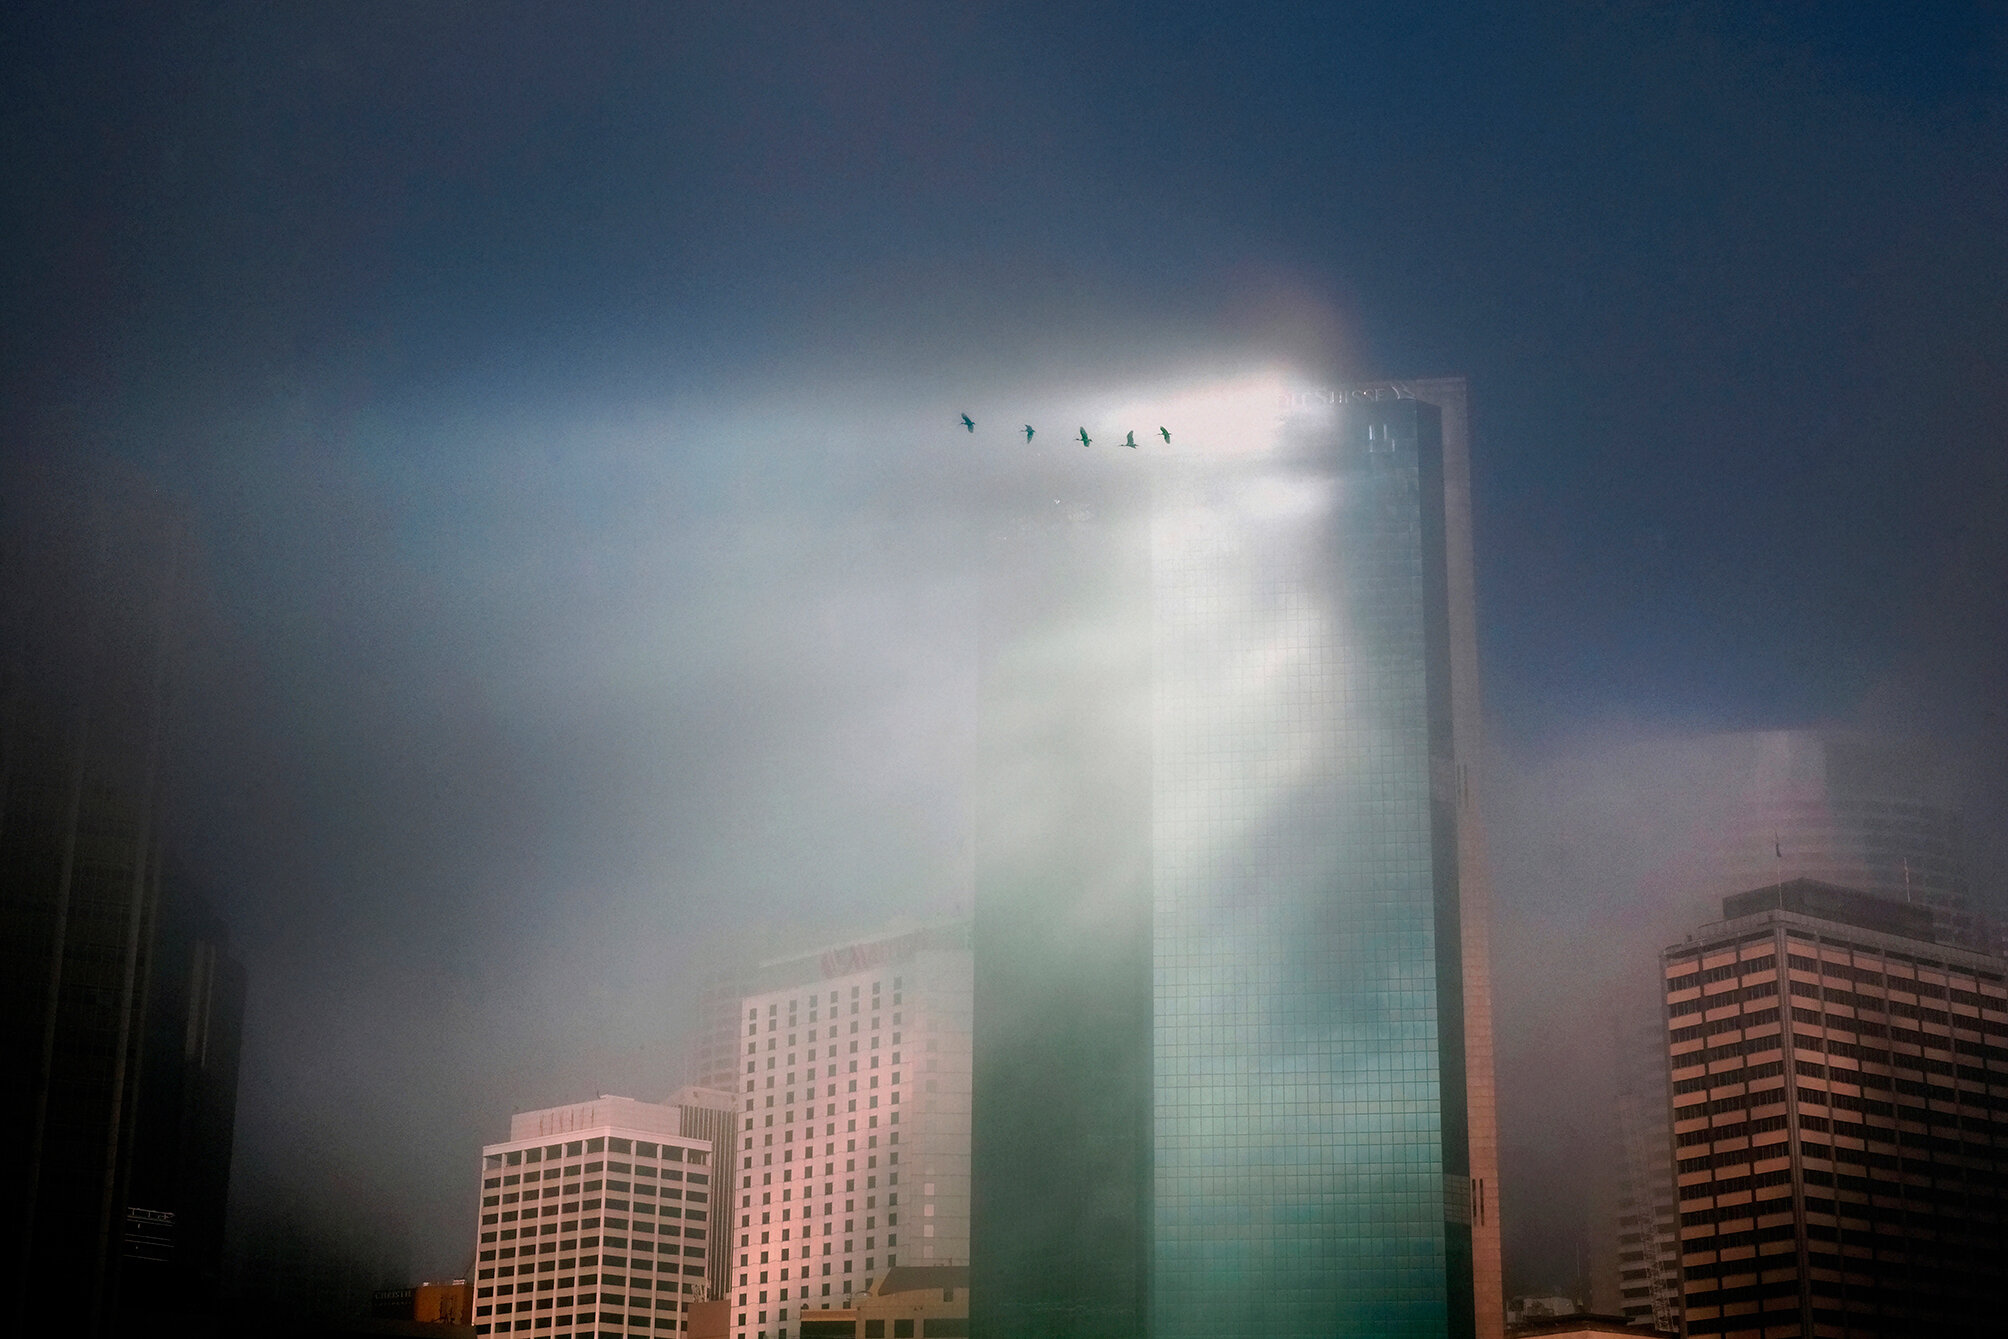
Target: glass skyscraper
[1235,936]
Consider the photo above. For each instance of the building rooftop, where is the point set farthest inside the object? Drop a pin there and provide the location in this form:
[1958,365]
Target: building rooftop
[608,1110]
[921,1278]
[1846,906]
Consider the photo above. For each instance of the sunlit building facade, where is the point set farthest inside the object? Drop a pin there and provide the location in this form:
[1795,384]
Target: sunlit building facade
[853,1153]
[1244,952]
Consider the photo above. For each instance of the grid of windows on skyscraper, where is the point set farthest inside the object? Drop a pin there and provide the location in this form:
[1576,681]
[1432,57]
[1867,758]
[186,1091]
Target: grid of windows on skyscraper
[1305,909]
[1840,1097]
[856,1117]
[600,1235]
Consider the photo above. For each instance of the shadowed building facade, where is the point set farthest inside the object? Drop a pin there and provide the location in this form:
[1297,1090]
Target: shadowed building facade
[1230,905]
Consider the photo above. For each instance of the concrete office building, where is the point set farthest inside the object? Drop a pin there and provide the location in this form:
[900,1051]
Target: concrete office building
[854,1124]
[595,1220]
[1868,811]
[1839,1113]
[1233,1070]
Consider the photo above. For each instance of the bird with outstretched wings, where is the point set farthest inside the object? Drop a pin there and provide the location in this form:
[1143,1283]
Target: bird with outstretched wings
[1166,434]
[1028,432]
[1130,440]
[969,423]
[1085,439]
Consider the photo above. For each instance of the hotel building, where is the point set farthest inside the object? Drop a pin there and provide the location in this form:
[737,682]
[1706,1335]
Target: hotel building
[595,1219]
[854,1129]
[1840,1120]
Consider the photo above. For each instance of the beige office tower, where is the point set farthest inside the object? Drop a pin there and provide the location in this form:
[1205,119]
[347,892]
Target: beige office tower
[1839,1108]
[1474,870]
[1850,808]
[853,1150]
[595,1220]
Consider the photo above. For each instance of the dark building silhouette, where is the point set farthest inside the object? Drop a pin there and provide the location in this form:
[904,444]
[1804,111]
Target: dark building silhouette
[107,977]
[1839,1088]
[179,1184]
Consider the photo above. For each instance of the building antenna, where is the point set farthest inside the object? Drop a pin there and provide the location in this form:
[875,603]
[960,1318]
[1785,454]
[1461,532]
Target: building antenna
[1906,881]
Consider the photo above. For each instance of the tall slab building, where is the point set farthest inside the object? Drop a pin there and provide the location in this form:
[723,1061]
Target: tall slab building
[1230,949]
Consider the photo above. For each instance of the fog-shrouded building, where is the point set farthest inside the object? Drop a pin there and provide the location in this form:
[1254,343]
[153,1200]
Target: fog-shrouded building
[1873,812]
[1839,1088]
[184,1128]
[1634,1256]
[595,1220]
[1867,810]
[1233,1063]
[853,1153]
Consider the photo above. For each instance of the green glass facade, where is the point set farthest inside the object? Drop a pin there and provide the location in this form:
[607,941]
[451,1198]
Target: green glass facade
[1219,1070]
[1061,1020]
[1307,1064]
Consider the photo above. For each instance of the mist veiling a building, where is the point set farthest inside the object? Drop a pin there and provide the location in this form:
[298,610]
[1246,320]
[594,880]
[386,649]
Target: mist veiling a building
[1233,1036]
[856,1116]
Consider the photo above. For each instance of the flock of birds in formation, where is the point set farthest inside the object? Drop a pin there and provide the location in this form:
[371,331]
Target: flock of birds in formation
[1031,432]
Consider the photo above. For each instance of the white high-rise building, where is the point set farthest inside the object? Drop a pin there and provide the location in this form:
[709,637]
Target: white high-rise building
[854,1126]
[595,1220]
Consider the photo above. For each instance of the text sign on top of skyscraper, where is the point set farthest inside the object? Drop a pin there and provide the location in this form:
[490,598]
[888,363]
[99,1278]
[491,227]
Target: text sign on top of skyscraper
[1313,1091]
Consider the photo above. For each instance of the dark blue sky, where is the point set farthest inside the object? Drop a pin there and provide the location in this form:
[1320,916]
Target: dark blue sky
[1727,279]
[485,342]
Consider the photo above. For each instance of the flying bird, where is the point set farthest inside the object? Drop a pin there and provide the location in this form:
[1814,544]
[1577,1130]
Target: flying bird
[969,423]
[1131,440]
[1028,432]
[1085,439]
[1166,434]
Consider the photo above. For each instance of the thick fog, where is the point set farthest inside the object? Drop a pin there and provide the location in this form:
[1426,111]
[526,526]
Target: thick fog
[586,554]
